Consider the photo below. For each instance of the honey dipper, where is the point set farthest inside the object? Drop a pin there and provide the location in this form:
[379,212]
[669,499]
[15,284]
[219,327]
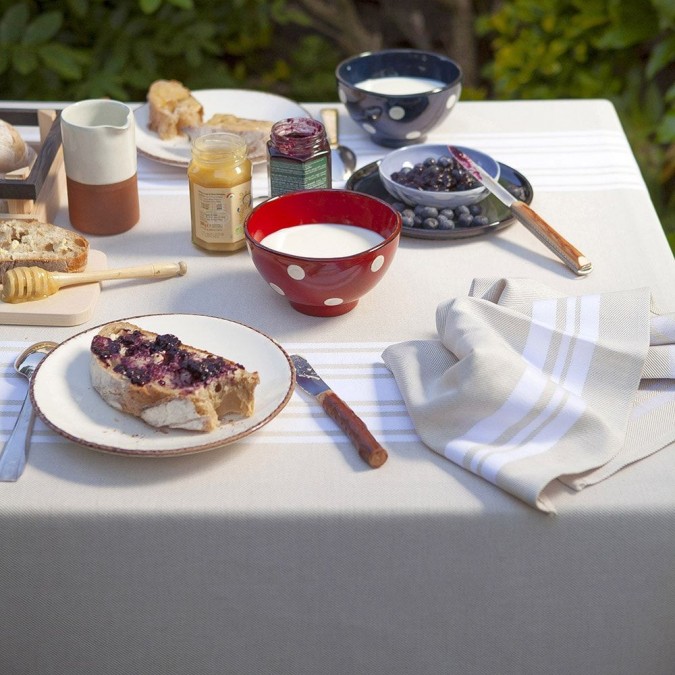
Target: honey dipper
[22,284]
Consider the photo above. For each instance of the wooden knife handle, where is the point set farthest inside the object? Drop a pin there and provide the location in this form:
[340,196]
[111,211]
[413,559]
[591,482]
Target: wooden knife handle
[369,449]
[570,255]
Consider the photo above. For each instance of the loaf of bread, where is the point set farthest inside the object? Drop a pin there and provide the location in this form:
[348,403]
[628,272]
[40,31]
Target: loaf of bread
[15,153]
[172,108]
[33,243]
[165,382]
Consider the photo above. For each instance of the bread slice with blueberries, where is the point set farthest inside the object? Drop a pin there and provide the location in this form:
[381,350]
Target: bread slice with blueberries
[166,383]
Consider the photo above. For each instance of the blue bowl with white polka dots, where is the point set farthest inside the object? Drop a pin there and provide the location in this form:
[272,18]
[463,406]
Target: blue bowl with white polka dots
[398,95]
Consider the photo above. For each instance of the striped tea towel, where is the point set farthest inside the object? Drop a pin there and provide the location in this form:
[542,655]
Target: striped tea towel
[526,386]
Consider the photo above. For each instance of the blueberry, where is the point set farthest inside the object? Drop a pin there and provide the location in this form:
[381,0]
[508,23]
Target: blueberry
[408,221]
[418,209]
[430,224]
[429,212]
[462,210]
[481,220]
[445,223]
[465,220]
[448,213]
[475,209]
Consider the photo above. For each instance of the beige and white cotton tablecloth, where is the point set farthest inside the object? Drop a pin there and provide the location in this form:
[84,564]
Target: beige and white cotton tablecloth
[283,553]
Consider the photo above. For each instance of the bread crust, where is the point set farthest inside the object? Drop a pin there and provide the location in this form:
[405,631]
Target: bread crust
[15,153]
[161,404]
[25,243]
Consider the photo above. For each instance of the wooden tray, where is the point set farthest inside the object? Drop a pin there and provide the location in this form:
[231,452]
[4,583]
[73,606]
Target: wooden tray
[70,306]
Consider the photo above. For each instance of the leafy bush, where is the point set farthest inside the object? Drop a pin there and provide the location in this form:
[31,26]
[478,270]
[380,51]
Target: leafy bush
[613,49]
[53,50]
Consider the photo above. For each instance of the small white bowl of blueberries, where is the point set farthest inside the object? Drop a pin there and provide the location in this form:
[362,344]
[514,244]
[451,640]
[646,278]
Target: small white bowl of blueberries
[431,184]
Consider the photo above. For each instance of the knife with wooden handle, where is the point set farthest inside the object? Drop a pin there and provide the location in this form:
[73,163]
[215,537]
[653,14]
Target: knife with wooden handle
[369,449]
[568,253]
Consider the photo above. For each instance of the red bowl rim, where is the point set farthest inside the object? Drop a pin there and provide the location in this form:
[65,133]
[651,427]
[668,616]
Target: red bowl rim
[394,235]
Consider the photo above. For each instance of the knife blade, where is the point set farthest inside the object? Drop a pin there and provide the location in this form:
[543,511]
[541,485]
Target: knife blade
[308,379]
[548,236]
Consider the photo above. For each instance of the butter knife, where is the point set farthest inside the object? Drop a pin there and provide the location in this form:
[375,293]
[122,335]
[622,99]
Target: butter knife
[369,449]
[570,255]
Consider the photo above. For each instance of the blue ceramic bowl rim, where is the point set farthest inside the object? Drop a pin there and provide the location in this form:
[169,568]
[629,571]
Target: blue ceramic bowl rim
[391,163]
[353,59]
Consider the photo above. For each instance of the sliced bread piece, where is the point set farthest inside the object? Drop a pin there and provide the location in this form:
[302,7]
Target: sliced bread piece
[25,243]
[165,382]
[255,133]
[172,107]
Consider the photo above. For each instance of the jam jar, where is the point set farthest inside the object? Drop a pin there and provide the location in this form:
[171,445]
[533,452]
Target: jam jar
[298,156]
[219,175]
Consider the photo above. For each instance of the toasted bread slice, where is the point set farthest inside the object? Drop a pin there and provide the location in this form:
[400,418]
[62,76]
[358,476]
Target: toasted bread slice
[25,243]
[167,383]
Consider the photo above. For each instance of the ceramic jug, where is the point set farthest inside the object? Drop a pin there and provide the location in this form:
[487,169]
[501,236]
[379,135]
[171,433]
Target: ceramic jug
[99,150]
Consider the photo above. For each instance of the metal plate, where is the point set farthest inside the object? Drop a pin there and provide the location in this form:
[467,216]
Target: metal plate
[367,180]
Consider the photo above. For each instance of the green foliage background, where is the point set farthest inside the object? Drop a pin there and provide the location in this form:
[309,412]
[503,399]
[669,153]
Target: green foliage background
[616,49]
[623,50]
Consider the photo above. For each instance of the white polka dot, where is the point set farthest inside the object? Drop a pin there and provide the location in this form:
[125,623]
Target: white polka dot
[369,128]
[451,101]
[277,289]
[377,263]
[396,112]
[342,96]
[413,134]
[331,302]
[295,272]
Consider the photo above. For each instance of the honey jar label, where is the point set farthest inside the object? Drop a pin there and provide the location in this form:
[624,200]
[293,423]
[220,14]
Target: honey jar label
[219,214]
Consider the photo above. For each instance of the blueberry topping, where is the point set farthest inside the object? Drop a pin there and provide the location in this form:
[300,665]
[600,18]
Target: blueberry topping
[163,360]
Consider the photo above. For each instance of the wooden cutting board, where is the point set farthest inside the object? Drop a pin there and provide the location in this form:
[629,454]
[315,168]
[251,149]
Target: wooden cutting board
[69,306]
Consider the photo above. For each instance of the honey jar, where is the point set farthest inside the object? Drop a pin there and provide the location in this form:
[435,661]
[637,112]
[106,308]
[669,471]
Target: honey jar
[219,176]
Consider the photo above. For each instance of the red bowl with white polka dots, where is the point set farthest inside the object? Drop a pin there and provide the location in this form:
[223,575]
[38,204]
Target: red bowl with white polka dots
[341,245]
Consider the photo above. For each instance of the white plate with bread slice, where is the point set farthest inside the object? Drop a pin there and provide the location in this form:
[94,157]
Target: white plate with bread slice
[242,106]
[64,397]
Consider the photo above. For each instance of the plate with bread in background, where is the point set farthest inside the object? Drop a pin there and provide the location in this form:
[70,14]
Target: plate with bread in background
[173,116]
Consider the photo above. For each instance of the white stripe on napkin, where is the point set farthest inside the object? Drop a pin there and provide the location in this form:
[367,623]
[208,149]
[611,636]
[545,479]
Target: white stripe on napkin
[559,414]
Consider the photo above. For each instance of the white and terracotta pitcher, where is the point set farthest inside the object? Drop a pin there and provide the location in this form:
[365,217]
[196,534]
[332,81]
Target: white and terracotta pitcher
[99,149]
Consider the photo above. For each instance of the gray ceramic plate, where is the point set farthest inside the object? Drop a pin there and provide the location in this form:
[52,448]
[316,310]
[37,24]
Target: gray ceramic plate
[367,180]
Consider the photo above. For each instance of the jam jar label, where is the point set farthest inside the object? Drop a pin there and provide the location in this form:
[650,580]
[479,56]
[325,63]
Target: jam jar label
[218,214]
[288,175]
